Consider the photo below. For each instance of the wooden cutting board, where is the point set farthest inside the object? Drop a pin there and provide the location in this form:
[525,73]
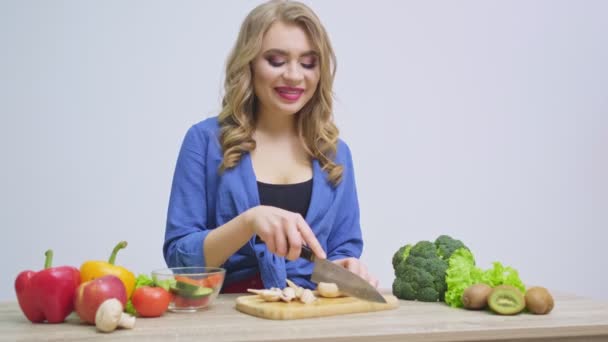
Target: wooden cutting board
[256,306]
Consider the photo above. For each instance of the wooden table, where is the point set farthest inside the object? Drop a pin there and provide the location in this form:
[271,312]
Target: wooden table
[573,319]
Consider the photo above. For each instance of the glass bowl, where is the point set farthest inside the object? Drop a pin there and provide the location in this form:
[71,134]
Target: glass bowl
[191,288]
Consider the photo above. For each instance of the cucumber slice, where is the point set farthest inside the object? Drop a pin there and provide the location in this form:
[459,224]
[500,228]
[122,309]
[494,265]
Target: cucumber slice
[197,293]
[188,287]
[201,292]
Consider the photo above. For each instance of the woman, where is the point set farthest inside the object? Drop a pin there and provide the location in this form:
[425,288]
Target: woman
[269,173]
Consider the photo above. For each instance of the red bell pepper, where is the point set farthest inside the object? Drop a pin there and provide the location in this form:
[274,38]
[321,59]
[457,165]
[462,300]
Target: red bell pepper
[48,294]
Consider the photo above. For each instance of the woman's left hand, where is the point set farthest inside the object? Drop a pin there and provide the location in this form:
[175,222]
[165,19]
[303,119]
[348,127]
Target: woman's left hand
[357,267]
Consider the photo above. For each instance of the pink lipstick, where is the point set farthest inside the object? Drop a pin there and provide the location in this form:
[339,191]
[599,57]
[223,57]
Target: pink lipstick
[290,94]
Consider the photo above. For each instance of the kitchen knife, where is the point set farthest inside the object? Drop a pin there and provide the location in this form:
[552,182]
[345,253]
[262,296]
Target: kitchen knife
[348,282]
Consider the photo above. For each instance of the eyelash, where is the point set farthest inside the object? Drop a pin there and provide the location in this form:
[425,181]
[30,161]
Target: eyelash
[278,64]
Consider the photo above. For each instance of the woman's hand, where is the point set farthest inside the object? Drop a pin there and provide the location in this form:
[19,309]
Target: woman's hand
[282,231]
[358,268]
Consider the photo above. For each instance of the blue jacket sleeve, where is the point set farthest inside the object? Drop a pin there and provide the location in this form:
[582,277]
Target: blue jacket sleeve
[345,237]
[186,226]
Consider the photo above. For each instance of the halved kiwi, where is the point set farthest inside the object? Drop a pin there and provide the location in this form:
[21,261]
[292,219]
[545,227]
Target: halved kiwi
[506,300]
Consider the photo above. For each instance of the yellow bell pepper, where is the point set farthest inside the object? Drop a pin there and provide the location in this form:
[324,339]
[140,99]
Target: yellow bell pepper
[95,269]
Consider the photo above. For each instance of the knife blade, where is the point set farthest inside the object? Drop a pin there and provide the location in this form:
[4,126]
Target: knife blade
[348,282]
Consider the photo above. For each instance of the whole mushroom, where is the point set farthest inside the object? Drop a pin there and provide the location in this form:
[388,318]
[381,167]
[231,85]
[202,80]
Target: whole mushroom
[109,316]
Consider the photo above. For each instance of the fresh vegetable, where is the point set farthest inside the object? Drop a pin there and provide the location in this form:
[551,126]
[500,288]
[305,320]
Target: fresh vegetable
[48,294]
[188,283]
[151,301]
[538,300]
[143,281]
[109,316]
[165,284]
[506,300]
[186,287]
[420,269]
[446,246]
[92,293]
[188,293]
[95,269]
[401,255]
[463,273]
[442,270]
[213,280]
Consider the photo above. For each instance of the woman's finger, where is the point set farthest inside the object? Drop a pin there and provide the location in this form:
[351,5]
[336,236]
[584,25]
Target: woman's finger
[295,241]
[270,245]
[280,242]
[309,237]
[352,265]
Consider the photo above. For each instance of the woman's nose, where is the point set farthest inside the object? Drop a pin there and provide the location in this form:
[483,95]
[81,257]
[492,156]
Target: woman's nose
[293,74]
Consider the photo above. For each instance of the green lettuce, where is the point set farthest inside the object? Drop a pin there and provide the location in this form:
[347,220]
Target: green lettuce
[462,273]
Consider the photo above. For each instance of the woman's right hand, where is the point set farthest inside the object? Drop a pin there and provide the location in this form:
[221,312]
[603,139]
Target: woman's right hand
[283,231]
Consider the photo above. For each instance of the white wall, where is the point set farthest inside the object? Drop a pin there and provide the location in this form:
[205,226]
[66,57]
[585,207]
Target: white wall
[484,120]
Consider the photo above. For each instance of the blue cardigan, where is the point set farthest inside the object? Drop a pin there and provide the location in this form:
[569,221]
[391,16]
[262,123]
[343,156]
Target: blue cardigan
[201,200]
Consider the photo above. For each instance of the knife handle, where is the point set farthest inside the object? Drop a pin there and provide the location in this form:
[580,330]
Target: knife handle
[307,253]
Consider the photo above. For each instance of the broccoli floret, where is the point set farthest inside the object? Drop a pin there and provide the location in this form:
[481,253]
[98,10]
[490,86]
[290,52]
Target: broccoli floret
[403,289]
[420,269]
[401,255]
[415,284]
[430,294]
[424,249]
[421,275]
[446,245]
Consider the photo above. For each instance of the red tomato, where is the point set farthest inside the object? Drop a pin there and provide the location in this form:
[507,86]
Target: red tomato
[151,301]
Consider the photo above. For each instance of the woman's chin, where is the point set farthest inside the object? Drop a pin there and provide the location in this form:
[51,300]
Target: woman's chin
[288,109]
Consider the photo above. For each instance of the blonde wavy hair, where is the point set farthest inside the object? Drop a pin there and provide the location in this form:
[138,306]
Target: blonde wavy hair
[315,126]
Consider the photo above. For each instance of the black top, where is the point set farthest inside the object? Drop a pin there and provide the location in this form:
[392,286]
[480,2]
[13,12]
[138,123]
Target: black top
[290,197]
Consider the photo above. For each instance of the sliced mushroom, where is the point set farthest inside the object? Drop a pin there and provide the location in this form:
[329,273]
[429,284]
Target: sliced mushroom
[307,297]
[288,294]
[268,295]
[297,288]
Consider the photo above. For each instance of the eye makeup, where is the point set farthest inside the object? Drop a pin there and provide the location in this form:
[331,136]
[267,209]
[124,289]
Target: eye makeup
[275,61]
[309,62]
[277,58]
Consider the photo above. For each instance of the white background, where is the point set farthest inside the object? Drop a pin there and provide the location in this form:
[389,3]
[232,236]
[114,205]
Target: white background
[484,120]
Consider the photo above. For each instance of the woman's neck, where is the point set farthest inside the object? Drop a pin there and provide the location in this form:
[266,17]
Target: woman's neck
[276,125]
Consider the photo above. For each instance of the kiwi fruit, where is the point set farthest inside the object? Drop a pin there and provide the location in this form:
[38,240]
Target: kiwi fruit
[538,300]
[475,297]
[506,300]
